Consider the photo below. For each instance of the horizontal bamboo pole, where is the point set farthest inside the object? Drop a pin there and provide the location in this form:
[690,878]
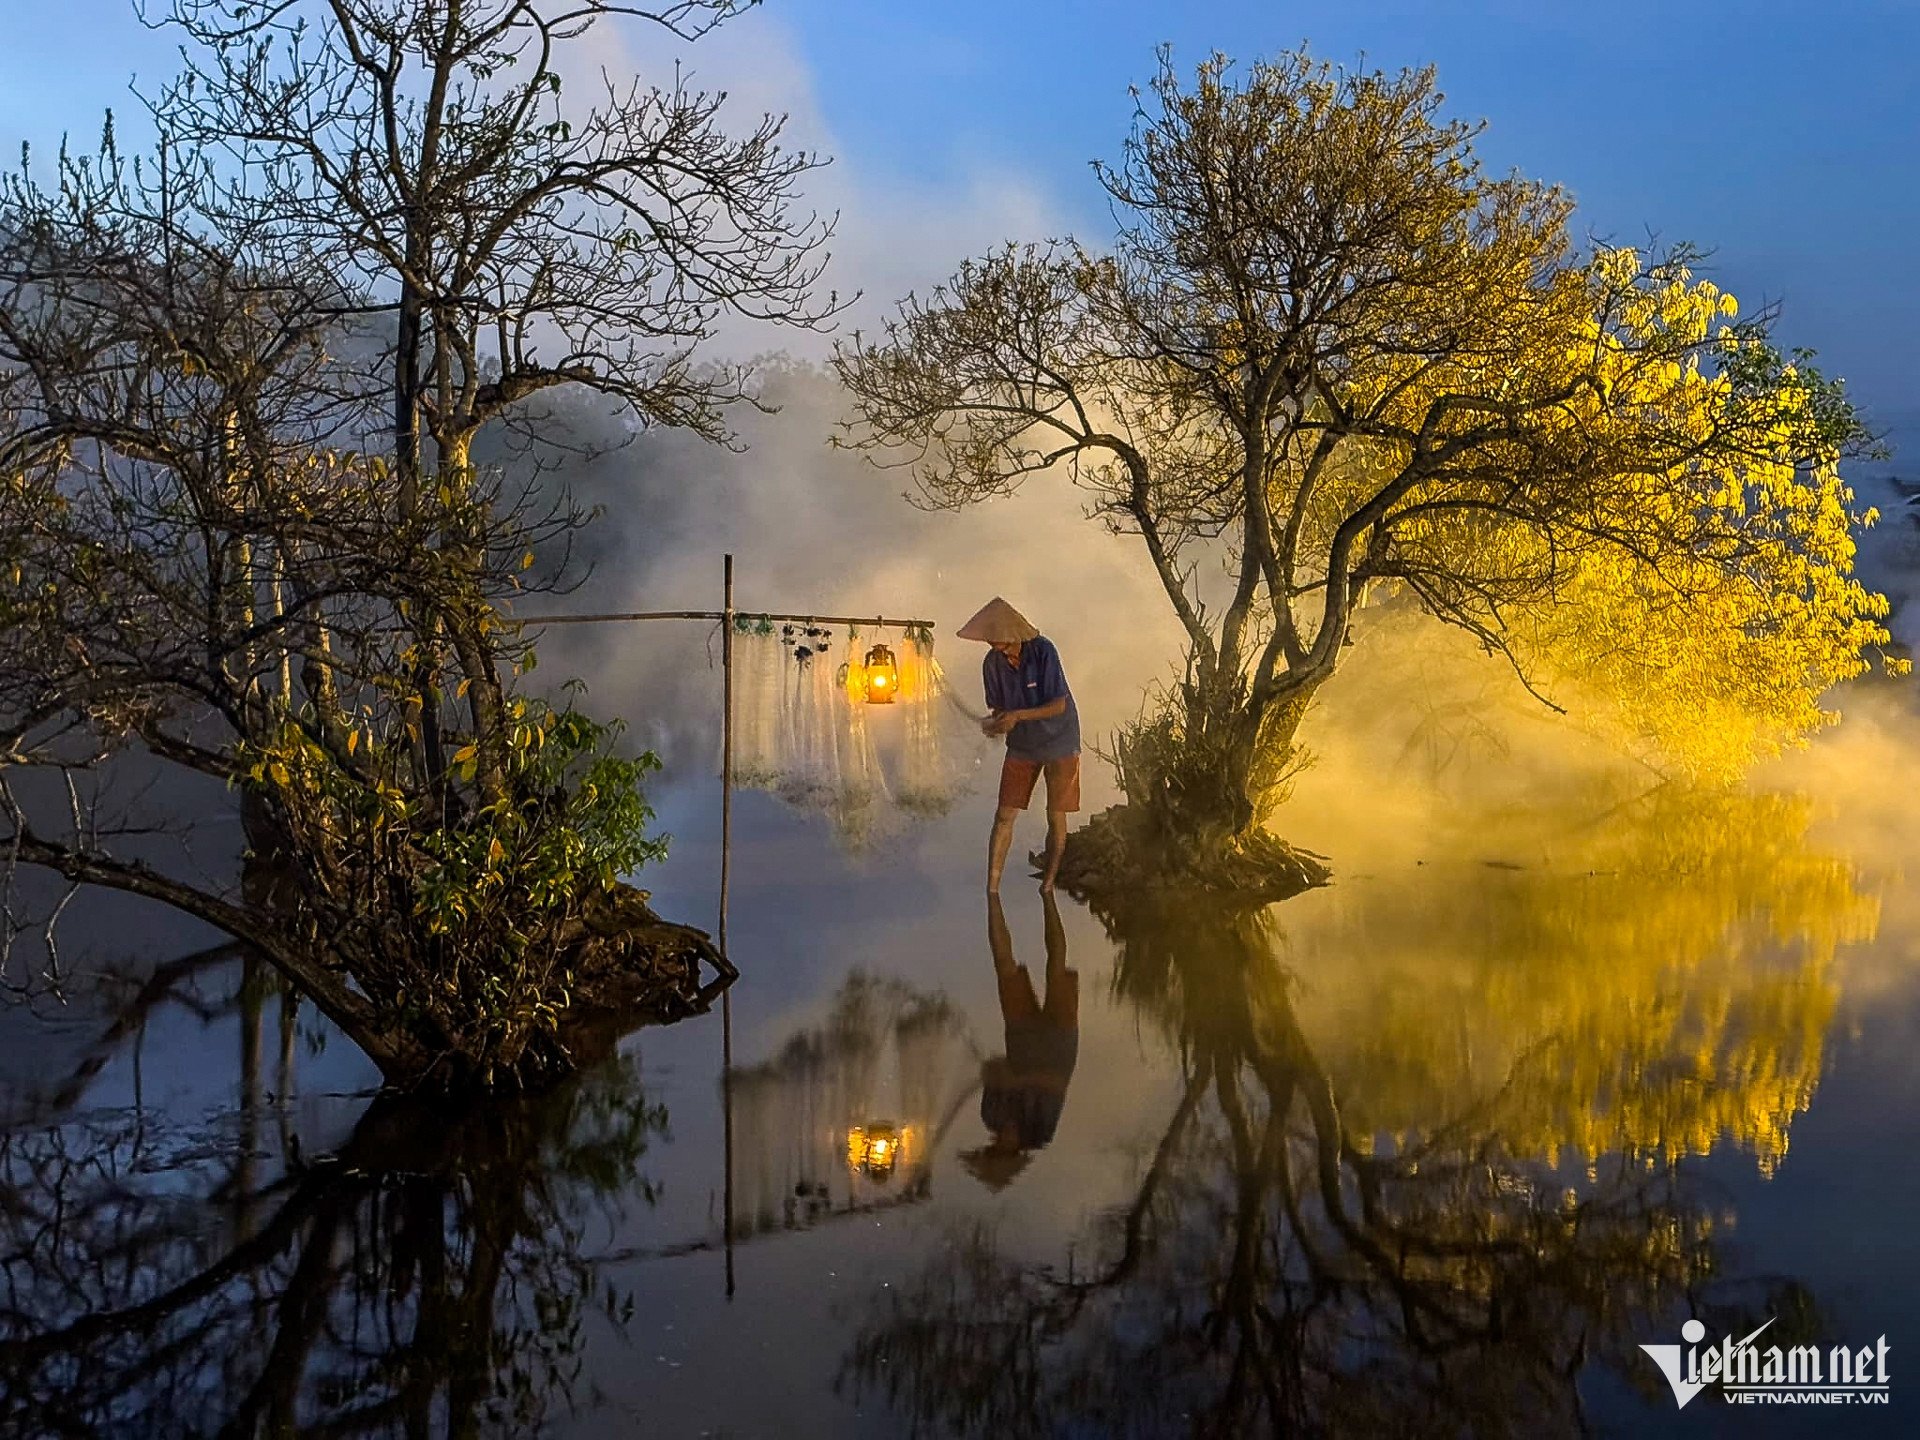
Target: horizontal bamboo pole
[721,615]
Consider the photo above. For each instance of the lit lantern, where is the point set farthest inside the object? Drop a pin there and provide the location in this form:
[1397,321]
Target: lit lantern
[876,1150]
[883,676]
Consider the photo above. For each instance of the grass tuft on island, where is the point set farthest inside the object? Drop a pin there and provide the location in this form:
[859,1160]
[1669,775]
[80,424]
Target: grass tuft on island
[1114,861]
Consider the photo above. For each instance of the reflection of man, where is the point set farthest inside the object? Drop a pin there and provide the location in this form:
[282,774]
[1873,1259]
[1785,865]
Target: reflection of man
[1028,702]
[1023,1090]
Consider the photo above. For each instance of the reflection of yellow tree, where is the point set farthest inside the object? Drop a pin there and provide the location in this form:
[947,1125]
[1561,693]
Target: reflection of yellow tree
[1663,985]
[1268,1275]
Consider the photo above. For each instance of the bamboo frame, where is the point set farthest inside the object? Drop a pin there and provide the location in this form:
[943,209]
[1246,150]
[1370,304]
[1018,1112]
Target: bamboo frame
[730,613]
[727,615]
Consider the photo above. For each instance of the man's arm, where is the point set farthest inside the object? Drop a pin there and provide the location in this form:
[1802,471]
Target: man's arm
[991,725]
[1053,689]
[1038,712]
[1001,721]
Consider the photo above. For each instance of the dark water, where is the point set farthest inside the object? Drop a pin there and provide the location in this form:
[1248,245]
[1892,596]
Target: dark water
[1432,1151]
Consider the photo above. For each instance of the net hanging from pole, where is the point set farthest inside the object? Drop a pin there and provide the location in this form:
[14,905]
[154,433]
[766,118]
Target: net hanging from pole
[862,781]
[757,756]
[816,726]
[929,779]
[811,774]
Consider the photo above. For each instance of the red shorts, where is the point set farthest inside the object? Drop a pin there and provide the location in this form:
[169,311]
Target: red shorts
[1018,777]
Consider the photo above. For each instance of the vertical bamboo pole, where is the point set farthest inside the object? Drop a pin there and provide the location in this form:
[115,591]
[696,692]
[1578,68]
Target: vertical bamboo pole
[726,865]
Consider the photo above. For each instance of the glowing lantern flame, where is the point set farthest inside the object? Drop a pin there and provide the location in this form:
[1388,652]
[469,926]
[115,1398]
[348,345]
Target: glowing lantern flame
[883,676]
[875,1150]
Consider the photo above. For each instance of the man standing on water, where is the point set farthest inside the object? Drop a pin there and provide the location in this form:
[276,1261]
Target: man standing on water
[1028,702]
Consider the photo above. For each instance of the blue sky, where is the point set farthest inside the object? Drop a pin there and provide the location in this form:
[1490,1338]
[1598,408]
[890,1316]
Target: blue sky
[1781,136]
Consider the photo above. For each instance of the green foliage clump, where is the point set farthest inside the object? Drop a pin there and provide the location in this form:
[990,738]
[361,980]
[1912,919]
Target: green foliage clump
[572,819]
[466,923]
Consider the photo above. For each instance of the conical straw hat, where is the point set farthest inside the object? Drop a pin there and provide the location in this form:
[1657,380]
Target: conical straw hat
[998,623]
[995,1169]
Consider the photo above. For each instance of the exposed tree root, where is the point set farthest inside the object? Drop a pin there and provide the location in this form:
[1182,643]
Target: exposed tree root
[631,969]
[625,968]
[1112,862]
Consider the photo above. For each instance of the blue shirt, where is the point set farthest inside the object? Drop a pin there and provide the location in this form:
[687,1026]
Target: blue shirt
[1038,681]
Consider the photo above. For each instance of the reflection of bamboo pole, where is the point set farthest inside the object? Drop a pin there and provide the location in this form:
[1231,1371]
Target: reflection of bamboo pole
[726,861]
[726,1106]
[726,746]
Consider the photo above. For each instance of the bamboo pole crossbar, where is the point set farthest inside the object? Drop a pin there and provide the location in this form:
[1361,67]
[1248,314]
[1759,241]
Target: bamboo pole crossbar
[880,620]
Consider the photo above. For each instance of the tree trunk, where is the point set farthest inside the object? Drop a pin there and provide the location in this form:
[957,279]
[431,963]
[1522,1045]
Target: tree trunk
[1221,774]
[1203,779]
[1263,762]
[471,648]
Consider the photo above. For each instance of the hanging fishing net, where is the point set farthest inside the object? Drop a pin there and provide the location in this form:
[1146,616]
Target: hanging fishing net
[930,777]
[860,783]
[810,774]
[757,758]
[854,672]
[861,728]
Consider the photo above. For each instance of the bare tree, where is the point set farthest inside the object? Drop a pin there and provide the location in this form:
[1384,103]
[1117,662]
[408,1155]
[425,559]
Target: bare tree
[240,383]
[512,243]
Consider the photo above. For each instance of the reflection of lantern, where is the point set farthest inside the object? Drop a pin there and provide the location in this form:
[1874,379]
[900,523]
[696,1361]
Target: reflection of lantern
[874,1150]
[883,676]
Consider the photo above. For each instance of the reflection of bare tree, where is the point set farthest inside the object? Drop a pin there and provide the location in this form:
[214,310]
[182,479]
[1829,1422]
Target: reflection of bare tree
[885,1054]
[126,1001]
[1274,1270]
[424,1278]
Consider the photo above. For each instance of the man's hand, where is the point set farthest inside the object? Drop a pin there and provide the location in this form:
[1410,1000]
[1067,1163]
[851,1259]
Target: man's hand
[997,724]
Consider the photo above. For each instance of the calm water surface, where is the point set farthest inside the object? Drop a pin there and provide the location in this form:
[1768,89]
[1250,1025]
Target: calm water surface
[1431,1151]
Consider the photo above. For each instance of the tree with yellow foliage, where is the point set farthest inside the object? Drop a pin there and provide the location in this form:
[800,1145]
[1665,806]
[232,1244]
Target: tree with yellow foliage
[1327,355]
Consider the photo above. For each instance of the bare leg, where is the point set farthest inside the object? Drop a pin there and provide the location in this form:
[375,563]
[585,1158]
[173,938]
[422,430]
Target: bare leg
[997,845]
[1063,985]
[1056,843]
[999,938]
[1056,934]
